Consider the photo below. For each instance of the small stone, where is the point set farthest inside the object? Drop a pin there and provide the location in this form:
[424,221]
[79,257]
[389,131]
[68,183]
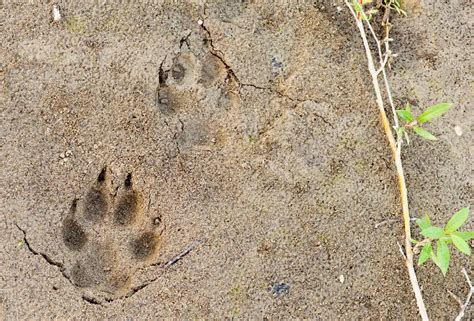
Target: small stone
[458,130]
[341,278]
[62,155]
[280,288]
[157,221]
[245,166]
[276,63]
[56,13]
[200,22]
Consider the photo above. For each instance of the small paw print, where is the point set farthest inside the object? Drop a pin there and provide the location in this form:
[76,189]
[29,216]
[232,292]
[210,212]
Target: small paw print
[108,238]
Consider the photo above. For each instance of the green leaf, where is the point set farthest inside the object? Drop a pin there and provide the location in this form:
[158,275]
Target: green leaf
[442,256]
[400,131]
[433,232]
[425,253]
[405,115]
[461,245]
[457,220]
[423,222]
[424,133]
[357,6]
[466,236]
[447,239]
[433,112]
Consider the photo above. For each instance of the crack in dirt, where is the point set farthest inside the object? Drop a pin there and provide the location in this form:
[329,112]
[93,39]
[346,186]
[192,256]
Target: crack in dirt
[276,92]
[324,120]
[162,74]
[91,300]
[298,100]
[232,75]
[219,55]
[54,263]
[49,260]
[45,257]
[184,40]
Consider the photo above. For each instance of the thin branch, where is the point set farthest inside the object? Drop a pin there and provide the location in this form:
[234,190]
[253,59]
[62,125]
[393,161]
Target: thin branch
[468,298]
[396,151]
[400,248]
[382,67]
[455,297]
[468,280]
[182,254]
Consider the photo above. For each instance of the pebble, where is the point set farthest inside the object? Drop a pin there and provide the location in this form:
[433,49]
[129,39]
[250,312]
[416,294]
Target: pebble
[458,130]
[278,289]
[56,13]
[342,278]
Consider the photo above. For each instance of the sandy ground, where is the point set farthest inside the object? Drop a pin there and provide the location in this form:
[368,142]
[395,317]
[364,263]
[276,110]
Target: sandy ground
[245,130]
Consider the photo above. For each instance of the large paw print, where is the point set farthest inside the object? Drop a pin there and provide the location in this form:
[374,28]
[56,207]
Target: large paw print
[108,238]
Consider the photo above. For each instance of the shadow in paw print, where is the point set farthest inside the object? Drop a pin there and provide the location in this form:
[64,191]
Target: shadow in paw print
[178,72]
[108,238]
[73,234]
[100,266]
[213,71]
[96,200]
[128,205]
[194,133]
[144,246]
[164,101]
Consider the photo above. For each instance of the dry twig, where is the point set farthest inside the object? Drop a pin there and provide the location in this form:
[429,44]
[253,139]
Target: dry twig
[463,306]
[182,254]
[395,146]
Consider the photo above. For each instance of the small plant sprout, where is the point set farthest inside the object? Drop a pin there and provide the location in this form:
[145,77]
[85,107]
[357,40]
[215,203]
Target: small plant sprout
[413,123]
[450,234]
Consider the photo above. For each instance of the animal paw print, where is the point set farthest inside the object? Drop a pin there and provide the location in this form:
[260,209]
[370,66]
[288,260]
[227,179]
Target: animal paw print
[108,238]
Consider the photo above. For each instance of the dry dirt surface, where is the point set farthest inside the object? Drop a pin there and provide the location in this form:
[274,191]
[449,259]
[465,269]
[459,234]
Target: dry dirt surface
[222,159]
